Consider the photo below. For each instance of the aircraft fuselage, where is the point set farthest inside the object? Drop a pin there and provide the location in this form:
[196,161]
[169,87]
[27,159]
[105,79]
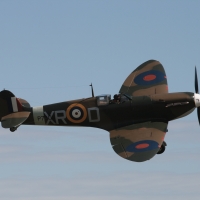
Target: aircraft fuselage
[85,112]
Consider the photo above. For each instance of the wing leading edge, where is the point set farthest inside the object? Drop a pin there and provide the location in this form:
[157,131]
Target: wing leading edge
[138,142]
[147,79]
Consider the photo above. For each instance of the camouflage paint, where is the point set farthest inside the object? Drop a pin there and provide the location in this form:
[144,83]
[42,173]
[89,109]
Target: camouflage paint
[137,125]
[138,83]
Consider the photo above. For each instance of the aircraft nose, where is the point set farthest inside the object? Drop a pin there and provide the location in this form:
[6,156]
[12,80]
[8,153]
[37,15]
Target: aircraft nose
[197,99]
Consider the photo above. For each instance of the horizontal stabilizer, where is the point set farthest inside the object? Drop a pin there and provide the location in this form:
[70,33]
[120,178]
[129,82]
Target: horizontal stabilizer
[14,119]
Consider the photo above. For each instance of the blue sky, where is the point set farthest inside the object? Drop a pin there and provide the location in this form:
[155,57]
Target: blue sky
[50,51]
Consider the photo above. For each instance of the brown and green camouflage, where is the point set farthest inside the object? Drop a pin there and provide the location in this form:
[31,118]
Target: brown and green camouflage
[137,124]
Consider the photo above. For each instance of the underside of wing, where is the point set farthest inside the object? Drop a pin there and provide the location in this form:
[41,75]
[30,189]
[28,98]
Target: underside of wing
[138,142]
[147,79]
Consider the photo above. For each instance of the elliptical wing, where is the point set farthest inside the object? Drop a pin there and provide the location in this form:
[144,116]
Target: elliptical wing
[147,79]
[138,142]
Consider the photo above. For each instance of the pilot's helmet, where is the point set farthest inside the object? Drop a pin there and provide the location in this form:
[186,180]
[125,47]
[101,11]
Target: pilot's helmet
[115,96]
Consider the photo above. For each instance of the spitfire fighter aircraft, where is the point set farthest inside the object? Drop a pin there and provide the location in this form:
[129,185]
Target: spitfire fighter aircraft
[136,118]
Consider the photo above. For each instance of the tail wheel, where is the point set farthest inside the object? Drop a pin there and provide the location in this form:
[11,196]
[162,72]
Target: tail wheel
[13,129]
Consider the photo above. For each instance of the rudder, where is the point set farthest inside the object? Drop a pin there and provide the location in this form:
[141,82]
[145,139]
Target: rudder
[12,110]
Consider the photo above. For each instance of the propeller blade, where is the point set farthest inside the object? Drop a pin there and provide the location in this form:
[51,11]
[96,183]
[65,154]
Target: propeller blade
[198,114]
[196,81]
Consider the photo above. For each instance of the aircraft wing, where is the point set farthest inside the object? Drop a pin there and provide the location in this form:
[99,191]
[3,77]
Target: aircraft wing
[147,79]
[138,142]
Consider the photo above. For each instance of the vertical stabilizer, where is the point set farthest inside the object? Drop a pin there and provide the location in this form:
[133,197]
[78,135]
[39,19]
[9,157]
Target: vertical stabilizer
[12,110]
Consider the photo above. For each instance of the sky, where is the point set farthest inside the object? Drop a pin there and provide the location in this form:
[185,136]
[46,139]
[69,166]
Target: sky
[51,51]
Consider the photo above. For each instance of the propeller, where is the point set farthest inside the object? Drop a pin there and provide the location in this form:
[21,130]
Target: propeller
[197,92]
[196,81]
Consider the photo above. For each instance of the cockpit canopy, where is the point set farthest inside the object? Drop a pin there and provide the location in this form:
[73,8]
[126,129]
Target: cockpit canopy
[103,100]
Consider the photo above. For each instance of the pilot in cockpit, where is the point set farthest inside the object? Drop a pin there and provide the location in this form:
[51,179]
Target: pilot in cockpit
[116,99]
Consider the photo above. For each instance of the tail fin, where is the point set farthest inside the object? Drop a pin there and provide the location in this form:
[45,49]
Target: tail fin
[12,110]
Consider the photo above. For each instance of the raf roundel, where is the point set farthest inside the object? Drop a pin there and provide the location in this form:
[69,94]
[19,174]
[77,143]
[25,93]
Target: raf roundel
[150,77]
[76,113]
[142,146]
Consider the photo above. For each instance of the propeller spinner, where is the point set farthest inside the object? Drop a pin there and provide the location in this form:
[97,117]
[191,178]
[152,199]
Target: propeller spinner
[197,95]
